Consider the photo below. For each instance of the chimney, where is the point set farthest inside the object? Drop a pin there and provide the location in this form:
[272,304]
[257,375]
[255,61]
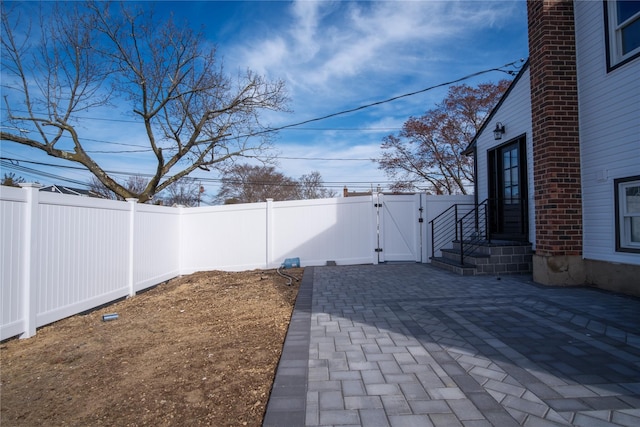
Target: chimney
[556,143]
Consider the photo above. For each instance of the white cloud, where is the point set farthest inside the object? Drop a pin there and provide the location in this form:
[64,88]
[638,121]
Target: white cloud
[304,31]
[321,44]
[336,56]
[266,54]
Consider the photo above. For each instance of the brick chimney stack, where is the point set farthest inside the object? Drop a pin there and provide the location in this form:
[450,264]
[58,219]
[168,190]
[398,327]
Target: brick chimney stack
[556,143]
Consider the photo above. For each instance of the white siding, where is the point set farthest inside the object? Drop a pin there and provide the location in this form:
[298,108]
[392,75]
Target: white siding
[515,115]
[609,108]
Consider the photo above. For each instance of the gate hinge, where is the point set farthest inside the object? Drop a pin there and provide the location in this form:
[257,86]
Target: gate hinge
[420,219]
[377,205]
[378,249]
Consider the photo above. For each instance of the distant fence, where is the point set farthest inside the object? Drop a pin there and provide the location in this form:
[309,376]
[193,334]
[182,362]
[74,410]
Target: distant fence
[61,255]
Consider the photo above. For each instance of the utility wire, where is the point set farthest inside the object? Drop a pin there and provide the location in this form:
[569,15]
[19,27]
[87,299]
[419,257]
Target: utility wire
[146,150]
[339,113]
[295,125]
[35,172]
[362,107]
[326,159]
[395,98]
[8,163]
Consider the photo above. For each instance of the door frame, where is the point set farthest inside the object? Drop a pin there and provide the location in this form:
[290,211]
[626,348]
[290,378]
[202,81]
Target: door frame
[497,218]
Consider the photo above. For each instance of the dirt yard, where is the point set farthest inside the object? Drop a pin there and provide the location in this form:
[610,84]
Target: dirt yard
[198,350]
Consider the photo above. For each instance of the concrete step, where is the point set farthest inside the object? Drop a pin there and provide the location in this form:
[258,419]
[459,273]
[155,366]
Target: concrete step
[497,247]
[473,258]
[453,266]
[495,257]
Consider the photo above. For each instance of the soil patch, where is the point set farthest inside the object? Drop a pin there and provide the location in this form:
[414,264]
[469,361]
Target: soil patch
[197,350]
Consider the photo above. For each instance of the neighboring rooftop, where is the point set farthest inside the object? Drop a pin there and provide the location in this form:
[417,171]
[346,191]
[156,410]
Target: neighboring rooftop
[69,190]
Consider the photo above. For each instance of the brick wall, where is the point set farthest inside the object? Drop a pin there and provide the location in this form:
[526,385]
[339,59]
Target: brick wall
[556,143]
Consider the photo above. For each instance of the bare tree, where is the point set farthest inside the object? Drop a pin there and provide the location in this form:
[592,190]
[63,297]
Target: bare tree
[312,187]
[134,184]
[243,183]
[11,180]
[97,54]
[185,192]
[428,149]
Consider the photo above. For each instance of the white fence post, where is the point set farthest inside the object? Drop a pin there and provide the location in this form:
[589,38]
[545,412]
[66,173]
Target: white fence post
[132,222]
[376,199]
[269,218]
[179,247]
[424,243]
[29,286]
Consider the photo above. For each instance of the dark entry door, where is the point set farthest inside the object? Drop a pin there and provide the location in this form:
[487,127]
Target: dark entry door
[508,191]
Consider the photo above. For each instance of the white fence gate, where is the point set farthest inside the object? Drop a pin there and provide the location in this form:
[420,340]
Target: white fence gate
[400,227]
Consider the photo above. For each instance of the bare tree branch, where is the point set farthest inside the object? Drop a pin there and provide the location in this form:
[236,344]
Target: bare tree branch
[428,149]
[94,54]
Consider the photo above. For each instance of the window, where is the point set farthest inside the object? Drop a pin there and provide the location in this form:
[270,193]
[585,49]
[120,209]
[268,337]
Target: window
[622,22]
[627,194]
[511,175]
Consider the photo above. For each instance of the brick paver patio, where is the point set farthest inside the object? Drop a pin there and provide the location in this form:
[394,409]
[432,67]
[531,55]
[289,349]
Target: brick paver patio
[411,345]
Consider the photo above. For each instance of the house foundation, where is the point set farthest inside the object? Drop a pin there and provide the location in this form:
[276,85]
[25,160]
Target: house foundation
[612,276]
[573,270]
[559,270]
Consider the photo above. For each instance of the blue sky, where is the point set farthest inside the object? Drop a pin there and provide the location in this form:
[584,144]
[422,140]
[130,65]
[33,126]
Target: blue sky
[335,56]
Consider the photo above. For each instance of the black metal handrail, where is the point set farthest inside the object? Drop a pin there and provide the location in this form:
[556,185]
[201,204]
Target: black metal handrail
[473,229]
[465,223]
[444,227]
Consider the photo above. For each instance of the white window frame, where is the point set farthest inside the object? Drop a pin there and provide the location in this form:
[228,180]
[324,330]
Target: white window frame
[614,36]
[623,217]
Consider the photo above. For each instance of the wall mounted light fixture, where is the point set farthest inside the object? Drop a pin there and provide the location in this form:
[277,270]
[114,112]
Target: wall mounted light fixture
[498,131]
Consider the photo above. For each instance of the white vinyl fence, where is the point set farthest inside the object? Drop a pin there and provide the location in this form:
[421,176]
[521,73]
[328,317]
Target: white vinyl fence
[61,255]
